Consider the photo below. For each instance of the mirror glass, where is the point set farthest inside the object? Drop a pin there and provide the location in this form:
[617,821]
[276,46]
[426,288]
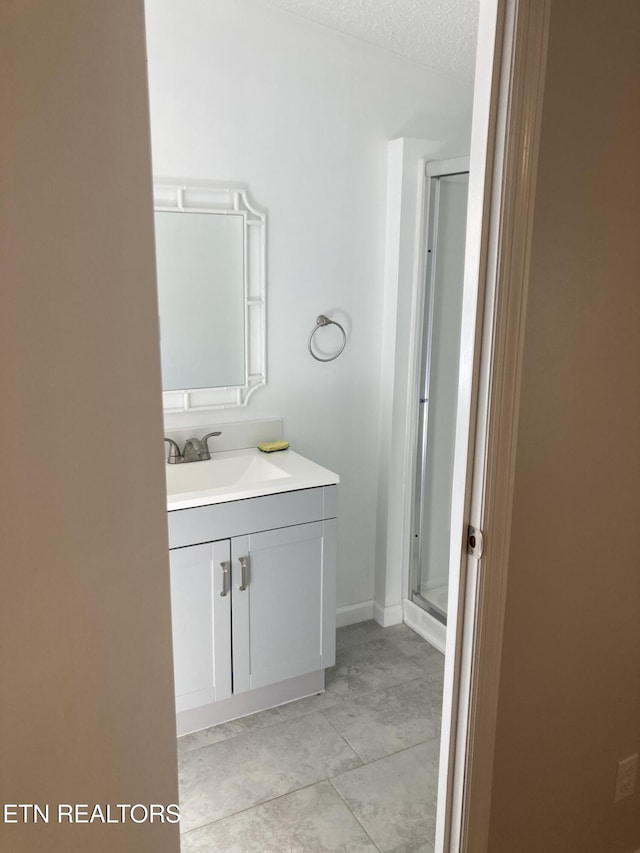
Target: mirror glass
[200,269]
[211,271]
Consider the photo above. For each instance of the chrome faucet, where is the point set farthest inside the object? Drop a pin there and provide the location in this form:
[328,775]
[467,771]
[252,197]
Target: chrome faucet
[195,449]
[174,453]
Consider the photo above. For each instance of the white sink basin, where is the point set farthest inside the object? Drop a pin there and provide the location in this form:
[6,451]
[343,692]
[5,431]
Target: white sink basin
[239,474]
[218,473]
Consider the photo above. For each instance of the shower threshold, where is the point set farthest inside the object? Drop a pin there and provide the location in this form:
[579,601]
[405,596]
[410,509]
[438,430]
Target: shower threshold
[434,601]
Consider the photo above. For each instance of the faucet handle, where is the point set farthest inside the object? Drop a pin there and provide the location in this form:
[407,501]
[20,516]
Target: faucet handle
[206,438]
[174,453]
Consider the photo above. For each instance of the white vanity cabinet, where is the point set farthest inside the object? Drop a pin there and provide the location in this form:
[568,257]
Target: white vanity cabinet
[201,624]
[253,603]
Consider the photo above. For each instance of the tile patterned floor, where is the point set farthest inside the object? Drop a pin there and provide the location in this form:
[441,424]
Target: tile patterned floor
[353,769]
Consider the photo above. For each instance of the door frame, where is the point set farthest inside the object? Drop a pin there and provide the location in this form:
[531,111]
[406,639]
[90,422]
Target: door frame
[509,85]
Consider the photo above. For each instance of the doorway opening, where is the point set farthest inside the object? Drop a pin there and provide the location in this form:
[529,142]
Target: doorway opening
[389,602]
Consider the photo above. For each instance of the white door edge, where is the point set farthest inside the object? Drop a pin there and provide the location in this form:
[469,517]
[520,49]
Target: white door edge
[508,94]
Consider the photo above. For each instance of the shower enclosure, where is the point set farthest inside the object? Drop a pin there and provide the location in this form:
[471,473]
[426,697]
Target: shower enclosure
[447,188]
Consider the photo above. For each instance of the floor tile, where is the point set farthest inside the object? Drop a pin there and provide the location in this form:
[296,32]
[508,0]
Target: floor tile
[359,669]
[414,847]
[395,798]
[360,632]
[387,721]
[369,666]
[407,640]
[311,820]
[206,737]
[235,774]
[308,705]
[431,667]
[430,661]
[422,653]
[397,633]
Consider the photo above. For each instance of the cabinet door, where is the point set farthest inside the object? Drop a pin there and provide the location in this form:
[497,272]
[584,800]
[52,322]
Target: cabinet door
[201,623]
[284,604]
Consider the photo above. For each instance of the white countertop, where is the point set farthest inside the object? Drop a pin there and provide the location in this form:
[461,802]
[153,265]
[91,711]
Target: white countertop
[237,474]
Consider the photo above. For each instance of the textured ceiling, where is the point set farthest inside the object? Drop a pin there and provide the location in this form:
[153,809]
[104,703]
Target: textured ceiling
[438,33]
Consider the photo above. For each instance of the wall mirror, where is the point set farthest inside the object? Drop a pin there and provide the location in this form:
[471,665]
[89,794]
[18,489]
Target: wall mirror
[211,272]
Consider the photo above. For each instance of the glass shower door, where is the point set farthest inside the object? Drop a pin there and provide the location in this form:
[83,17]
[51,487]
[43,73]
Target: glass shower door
[439,386]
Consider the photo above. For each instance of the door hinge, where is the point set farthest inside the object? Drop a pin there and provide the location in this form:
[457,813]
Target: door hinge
[475,542]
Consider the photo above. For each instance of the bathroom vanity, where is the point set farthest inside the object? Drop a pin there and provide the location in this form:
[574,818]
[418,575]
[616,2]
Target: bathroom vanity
[252,536]
[252,541]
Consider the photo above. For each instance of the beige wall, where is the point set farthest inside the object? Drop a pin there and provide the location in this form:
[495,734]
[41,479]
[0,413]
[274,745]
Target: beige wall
[569,704]
[86,711]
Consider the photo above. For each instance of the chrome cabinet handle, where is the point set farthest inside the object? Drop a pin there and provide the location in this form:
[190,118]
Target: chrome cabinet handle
[226,578]
[243,565]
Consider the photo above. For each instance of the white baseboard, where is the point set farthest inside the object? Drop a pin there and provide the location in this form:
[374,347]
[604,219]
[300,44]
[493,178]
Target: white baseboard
[386,616]
[249,702]
[423,623]
[352,613]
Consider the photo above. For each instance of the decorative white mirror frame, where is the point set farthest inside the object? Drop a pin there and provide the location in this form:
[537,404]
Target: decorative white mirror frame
[177,196]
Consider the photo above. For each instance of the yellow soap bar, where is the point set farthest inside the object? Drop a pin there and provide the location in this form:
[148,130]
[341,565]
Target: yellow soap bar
[271,446]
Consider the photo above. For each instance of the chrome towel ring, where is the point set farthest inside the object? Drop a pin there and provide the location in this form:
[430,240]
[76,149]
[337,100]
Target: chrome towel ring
[325,321]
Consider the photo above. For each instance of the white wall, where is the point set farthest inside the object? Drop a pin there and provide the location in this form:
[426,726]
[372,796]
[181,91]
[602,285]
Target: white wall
[569,703]
[87,709]
[243,92]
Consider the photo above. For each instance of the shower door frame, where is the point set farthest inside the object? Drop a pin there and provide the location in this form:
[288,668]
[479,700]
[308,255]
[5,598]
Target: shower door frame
[434,171]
